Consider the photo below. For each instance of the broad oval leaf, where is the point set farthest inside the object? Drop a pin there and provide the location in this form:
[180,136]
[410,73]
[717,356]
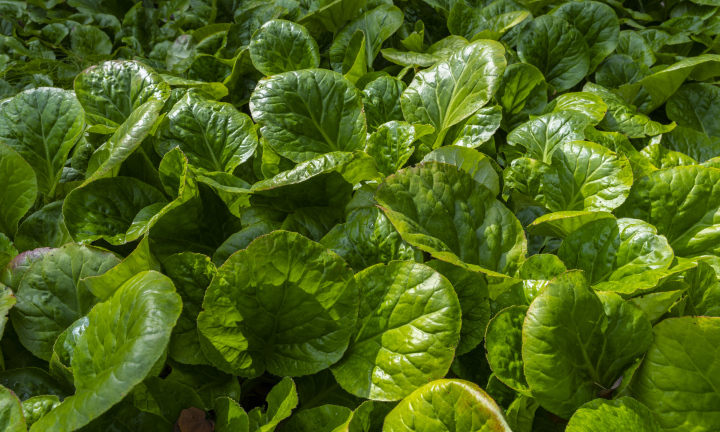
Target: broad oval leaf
[620,414]
[609,250]
[557,49]
[42,125]
[562,224]
[542,135]
[381,100]
[138,319]
[53,295]
[574,340]
[598,24]
[307,113]
[387,359]
[391,146]
[472,162]
[587,176]
[587,104]
[503,342]
[213,135]
[454,89]
[682,203]
[696,106]
[285,304]
[442,210]
[283,46]
[111,91]
[677,379]
[11,412]
[447,406]
[19,186]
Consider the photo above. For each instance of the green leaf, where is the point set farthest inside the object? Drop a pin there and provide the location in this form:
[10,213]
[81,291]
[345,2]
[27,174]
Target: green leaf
[141,259]
[230,416]
[588,104]
[477,129]
[241,239]
[326,418]
[180,54]
[624,118]
[333,14]
[138,318]
[299,332]
[19,186]
[694,144]
[354,64]
[391,146]
[682,203]
[385,360]
[522,91]
[368,238]
[587,176]
[694,106]
[44,228]
[52,295]
[704,291]
[42,125]
[676,379]
[543,135]
[171,397]
[444,211]
[86,41]
[213,135]
[576,343]
[562,224]
[208,382]
[612,249]
[478,165]
[126,139]
[313,222]
[619,70]
[322,388]
[504,341]
[107,208]
[283,46]
[660,157]
[11,413]
[377,24]
[369,416]
[632,44]
[602,415]
[281,400]
[282,103]
[191,273]
[557,49]
[453,90]
[28,382]
[598,24]
[521,413]
[36,407]
[446,406]
[381,99]
[112,90]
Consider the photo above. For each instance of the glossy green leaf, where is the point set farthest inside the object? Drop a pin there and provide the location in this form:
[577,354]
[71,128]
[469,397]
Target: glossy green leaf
[477,129]
[304,333]
[504,340]
[213,135]
[381,100]
[28,382]
[522,91]
[281,400]
[598,24]
[682,204]
[307,113]
[44,228]
[42,125]
[447,406]
[612,249]
[587,176]
[557,49]
[478,165]
[590,105]
[576,343]
[355,64]
[378,24]
[562,224]
[453,90]
[543,135]
[625,118]
[86,41]
[11,413]
[138,319]
[368,238]
[444,211]
[624,413]
[391,146]
[695,106]
[660,157]
[52,294]
[107,208]
[112,90]
[333,14]
[632,44]
[326,418]
[283,46]
[385,360]
[230,416]
[19,186]
[677,380]
[691,142]
[36,407]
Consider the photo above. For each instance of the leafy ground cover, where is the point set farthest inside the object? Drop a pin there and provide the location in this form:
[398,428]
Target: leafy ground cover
[360,215]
